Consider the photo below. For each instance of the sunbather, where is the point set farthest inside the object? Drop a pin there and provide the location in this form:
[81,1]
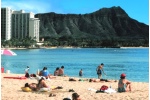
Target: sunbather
[73,79]
[99,80]
[32,86]
[41,84]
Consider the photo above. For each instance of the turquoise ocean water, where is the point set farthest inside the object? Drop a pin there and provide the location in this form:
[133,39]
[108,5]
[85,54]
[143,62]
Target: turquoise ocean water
[134,62]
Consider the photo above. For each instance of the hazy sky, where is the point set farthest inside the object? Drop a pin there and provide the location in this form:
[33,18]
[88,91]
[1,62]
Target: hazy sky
[136,9]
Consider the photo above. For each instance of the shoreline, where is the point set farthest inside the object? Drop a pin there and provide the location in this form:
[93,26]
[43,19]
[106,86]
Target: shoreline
[68,47]
[72,77]
[11,89]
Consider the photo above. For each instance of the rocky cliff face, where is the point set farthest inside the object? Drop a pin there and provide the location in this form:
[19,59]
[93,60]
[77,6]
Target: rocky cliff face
[104,24]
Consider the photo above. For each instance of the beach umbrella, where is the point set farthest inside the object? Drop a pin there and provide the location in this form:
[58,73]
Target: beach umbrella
[8,52]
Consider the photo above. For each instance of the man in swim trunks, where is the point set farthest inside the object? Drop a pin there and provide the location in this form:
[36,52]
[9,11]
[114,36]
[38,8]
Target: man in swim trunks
[100,70]
[124,85]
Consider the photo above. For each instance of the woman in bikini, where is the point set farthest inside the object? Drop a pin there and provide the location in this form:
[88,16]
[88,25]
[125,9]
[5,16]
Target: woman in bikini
[32,86]
[124,85]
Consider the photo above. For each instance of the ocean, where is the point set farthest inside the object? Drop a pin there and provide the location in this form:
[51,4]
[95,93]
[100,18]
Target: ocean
[134,62]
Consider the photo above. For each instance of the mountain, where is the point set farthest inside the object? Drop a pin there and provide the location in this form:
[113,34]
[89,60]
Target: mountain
[105,27]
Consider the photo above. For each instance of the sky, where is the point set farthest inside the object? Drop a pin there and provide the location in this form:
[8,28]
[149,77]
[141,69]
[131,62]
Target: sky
[136,9]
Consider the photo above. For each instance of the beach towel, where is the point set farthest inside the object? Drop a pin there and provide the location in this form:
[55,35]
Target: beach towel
[15,77]
[110,90]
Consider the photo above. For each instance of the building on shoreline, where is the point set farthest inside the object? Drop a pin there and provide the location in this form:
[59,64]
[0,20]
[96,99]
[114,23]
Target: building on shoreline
[19,25]
[6,23]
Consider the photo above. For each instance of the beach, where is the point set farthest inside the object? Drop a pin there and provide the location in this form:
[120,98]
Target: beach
[11,89]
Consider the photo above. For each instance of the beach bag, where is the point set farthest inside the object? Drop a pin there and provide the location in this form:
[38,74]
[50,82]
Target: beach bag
[103,88]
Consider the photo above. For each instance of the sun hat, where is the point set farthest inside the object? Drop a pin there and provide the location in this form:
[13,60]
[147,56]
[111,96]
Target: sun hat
[123,75]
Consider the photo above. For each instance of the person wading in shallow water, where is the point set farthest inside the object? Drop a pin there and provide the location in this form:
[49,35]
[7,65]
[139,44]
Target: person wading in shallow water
[81,73]
[100,70]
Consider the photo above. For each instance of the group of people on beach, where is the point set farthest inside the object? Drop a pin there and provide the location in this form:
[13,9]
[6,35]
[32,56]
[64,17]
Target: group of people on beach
[44,72]
[123,84]
[41,78]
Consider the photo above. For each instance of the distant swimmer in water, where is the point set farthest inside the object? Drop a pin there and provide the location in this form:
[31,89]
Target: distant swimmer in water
[81,73]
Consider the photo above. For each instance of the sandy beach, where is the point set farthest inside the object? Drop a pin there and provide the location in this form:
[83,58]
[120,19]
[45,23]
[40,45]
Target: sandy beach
[11,90]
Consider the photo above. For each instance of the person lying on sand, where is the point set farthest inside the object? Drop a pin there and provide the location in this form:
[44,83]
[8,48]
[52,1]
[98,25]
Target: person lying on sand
[73,79]
[41,84]
[32,86]
[99,80]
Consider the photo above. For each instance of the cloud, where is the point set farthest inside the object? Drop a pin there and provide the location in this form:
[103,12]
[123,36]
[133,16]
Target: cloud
[35,6]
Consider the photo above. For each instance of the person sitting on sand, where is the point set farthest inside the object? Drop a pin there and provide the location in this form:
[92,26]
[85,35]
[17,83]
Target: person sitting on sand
[42,84]
[99,80]
[124,85]
[75,96]
[56,72]
[46,74]
[61,71]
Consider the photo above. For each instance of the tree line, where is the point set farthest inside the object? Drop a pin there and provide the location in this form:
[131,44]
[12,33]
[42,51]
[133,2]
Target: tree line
[75,42]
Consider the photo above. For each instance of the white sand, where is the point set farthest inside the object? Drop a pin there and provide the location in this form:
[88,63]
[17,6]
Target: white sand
[11,90]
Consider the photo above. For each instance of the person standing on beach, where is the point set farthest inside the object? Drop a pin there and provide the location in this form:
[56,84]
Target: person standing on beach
[27,72]
[99,71]
[80,73]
